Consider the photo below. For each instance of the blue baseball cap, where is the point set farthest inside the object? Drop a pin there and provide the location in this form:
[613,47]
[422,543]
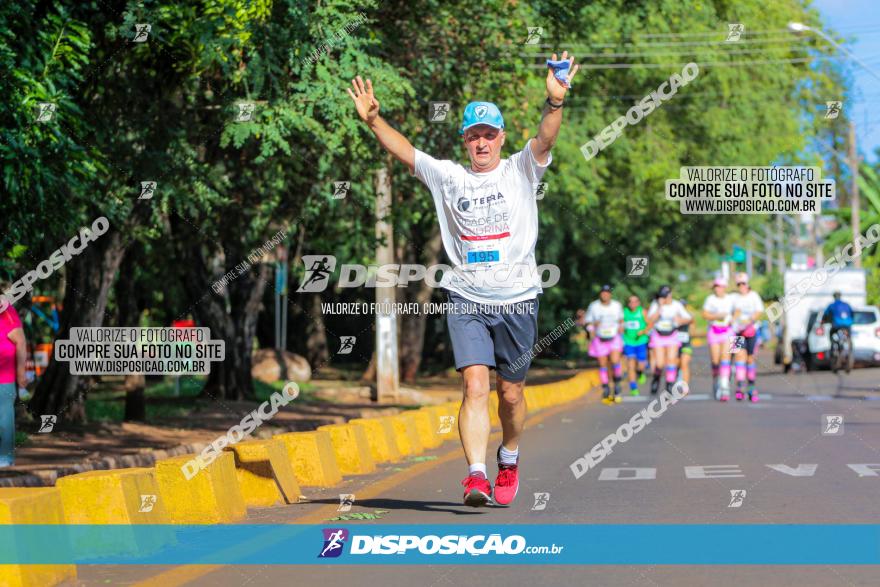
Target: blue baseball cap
[481,113]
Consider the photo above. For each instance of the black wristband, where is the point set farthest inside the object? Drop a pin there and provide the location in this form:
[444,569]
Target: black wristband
[552,105]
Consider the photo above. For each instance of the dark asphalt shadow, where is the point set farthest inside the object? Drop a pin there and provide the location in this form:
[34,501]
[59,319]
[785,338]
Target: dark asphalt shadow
[450,507]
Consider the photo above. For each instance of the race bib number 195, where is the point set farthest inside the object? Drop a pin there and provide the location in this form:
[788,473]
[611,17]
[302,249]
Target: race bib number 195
[483,253]
[483,256]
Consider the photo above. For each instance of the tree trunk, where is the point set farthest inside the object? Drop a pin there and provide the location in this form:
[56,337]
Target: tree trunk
[90,276]
[412,326]
[231,315]
[317,352]
[129,315]
[135,402]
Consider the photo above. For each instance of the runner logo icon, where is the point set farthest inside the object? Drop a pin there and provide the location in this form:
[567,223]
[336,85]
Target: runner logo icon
[534,35]
[446,424]
[245,112]
[147,503]
[346,345]
[142,31]
[340,189]
[46,111]
[439,110]
[832,425]
[334,540]
[318,269]
[346,500]
[734,32]
[737,343]
[637,266]
[540,190]
[148,188]
[832,109]
[541,500]
[736,498]
[47,423]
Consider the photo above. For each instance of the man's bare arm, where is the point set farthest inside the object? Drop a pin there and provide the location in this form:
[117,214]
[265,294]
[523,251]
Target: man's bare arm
[390,139]
[394,142]
[552,117]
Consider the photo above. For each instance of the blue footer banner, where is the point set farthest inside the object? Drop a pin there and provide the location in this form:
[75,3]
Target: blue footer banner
[528,544]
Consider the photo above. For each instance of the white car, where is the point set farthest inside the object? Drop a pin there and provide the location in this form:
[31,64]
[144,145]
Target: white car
[865,338]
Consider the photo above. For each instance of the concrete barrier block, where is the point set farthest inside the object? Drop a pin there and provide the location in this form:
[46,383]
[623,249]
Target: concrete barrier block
[32,505]
[406,434]
[532,402]
[119,497]
[446,421]
[427,426]
[265,473]
[351,448]
[494,420]
[312,457]
[212,496]
[115,496]
[381,437]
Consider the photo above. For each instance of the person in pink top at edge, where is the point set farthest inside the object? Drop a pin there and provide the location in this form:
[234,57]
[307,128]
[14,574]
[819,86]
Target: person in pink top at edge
[13,354]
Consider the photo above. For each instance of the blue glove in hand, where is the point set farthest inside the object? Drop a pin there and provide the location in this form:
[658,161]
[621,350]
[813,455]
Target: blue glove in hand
[560,70]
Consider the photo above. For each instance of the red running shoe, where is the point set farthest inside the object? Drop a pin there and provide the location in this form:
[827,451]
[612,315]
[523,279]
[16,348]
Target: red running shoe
[507,482]
[477,490]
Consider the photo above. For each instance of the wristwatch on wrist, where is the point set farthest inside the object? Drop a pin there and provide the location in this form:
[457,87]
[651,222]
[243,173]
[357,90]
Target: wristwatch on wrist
[552,105]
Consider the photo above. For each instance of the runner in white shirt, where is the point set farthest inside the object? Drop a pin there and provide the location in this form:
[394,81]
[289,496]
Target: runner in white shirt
[747,309]
[718,310]
[665,316]
[488,218]
[604,320]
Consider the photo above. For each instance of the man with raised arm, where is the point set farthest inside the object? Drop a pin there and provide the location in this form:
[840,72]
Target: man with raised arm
[488,218]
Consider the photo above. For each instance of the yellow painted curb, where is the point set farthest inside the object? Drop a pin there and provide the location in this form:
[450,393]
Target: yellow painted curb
[447,421]
[118,496]
[264,473]
[532,402]
[351,448]
[312,456]
[405,434]
[427,429]
[32,505]
[412,429]
[494,420]
[381,438]
[211,497]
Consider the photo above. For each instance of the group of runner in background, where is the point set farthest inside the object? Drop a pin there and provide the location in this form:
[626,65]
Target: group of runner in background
[659,339]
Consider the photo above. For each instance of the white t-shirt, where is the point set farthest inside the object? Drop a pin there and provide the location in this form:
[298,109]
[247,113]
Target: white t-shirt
[489,225]
[608,317]
[747,305]
[665,323]
[720,305]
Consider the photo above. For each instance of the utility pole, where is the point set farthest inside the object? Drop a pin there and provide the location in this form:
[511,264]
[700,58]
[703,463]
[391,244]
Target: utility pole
[749,262]
[780,235]
[854,194]
[387,366]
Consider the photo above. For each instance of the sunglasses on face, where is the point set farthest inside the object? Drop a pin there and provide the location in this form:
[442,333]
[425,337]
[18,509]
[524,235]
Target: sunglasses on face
[742,283]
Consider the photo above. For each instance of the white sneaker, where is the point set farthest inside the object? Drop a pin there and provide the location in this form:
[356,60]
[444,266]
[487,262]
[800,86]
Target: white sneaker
[723,390]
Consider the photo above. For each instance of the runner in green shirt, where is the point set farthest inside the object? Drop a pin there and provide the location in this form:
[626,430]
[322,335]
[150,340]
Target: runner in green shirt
[635,342]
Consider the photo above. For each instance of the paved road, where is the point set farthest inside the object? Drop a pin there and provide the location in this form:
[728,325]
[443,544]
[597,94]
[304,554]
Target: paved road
[775,451]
